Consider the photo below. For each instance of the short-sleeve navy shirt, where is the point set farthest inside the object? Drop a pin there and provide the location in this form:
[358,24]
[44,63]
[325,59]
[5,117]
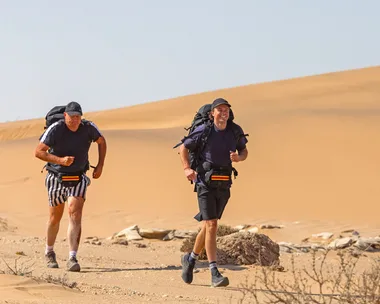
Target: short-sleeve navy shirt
[64,142]
[219,144]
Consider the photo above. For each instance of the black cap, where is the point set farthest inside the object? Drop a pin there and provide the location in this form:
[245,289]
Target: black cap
[73,108]
[218,102]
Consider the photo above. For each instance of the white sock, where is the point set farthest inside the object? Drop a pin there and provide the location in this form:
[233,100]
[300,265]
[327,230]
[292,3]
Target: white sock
[49,249]
[72,254]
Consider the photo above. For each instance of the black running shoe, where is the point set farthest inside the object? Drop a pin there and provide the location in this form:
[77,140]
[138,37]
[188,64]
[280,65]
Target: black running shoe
[187,269]
[51,260]
[217,280]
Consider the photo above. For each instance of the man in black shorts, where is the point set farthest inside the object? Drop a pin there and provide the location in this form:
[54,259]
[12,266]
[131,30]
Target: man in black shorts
[64,146]
[213,181]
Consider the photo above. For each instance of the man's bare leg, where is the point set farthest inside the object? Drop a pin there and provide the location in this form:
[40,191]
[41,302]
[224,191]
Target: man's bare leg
[55,216]
[200,240]
[210,239]
[74,231]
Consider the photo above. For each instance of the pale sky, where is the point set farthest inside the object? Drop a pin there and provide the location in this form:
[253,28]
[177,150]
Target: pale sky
[115,53]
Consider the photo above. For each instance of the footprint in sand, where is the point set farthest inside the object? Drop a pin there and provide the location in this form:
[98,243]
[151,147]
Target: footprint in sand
[4,227]
[21,180]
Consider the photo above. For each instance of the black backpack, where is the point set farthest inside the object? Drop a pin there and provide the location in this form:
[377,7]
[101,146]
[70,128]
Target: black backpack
[54,115]
[202,116]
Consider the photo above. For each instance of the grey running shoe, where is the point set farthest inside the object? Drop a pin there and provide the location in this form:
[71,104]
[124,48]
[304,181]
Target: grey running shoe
[72,264]
[187,269]
[51,260]
[217,280]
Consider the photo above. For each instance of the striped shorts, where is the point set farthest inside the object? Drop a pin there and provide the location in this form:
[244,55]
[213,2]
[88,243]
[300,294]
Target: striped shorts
[58,193]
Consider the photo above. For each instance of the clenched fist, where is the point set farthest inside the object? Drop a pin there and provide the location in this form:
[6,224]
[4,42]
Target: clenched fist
[67,160]
[234,156]
[190,174]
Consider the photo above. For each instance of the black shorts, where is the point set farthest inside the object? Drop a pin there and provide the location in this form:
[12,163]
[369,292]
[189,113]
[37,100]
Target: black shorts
[211,202]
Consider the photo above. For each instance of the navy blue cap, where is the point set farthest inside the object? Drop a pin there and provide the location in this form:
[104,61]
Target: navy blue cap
[218,102]
[73,108]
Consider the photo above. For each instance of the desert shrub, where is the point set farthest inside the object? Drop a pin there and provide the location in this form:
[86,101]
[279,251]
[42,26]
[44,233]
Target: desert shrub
[319,282]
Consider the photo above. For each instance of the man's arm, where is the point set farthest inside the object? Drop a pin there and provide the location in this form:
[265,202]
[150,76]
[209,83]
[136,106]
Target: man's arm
[184,154]
[243,154]
[239,156]
[102,150]
[41,153]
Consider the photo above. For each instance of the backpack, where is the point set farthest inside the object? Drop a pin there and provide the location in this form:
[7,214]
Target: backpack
[55,114]
[202,116]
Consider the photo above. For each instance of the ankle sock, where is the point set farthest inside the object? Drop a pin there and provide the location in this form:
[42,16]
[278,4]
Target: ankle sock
[193,257]
[49,249]
[213,268]
[72,254]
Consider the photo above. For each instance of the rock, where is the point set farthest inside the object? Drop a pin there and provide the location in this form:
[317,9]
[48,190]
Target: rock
[340,243]
[241,227]
[245,248]
[367,244]
[351,231]
[286,247]
[94,238]
[93,241]
[271,226]
[130,233]
[139,245]
[305,248]
[181,234]
[253,230]
[153,233]
[120,241]
[323,235]
[169,236]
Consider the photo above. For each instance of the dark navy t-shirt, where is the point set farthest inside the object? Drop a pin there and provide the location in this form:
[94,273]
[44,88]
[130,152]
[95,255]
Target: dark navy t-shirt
[219,144]
[64,142]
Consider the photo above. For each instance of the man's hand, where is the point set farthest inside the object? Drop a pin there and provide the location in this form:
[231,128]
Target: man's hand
[190,174]
[97,171]
[234,156]
[67,160]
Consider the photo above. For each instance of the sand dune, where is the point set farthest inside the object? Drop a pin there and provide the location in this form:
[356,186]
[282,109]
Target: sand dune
[313,159]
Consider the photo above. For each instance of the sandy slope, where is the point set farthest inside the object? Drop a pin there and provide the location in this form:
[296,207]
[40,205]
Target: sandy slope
[313,160]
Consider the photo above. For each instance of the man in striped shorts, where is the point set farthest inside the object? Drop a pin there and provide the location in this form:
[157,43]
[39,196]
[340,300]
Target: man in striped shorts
[64,146]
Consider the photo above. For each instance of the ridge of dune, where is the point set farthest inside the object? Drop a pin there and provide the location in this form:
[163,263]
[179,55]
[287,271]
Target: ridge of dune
[274,96]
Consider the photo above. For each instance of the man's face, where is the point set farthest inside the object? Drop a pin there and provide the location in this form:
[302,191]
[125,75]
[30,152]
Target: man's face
[72,121]
[221,113]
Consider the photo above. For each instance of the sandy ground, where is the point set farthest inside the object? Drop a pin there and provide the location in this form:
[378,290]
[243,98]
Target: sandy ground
[312,167]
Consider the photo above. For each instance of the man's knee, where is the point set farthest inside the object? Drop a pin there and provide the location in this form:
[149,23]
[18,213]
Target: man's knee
[211,225]
[55,214]
[75,207]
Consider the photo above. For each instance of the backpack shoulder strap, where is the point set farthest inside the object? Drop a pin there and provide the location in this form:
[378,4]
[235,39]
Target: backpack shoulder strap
[236,131]
[201,144]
